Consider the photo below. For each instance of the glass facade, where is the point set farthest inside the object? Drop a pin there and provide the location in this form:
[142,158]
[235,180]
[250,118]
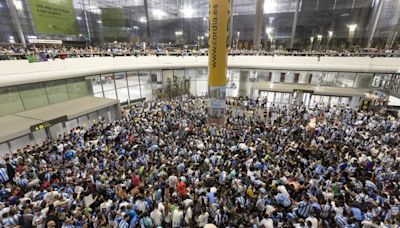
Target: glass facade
[24,97]
[148,84]
[321,24]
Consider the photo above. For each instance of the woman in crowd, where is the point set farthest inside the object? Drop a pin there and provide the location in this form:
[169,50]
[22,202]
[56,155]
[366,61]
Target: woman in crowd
[162,165]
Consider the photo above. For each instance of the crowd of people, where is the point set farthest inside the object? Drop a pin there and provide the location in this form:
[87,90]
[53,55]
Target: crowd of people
[163,165]
[44,52]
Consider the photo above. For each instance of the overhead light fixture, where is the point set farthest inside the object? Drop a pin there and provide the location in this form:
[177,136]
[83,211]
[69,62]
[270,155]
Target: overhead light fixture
[319,37]
[18,5]
[188,12]
[99,22]
[135,27]
[143,19]
[330,34]
[94,9]
[352,27]
[11,39]
[268,30]
[178,33]
[78,18]
[205,19]
[158,14]
[270,7]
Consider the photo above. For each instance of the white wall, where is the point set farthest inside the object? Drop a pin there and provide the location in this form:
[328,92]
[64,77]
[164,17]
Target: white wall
[16,72]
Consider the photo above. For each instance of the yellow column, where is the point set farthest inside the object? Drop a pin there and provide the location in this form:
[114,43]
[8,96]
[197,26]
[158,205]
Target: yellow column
[217,59]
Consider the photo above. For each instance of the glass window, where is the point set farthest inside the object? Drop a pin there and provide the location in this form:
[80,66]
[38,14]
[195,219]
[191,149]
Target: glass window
[145,77]
[33,95]
[334,101]
[110,94]
[253,75]
[315,77]
[156,76]
[328,78]
[244,75]
[10,101]
[99,95]
[179,73]
[303,77]
[381,80]
[278,98]
[190,74]
[202,74]
[78,87]
[147,92]
[263,75]
[134,92]
[168,74]
[122,95]
[286,98]
[346,79]
[270,97]
[289,76]
[56,91]
[276,76]
[133,78]
[363,80]
[201,88]
[96,83]
[108,82]
[344,101]
[234,74]
[120,80]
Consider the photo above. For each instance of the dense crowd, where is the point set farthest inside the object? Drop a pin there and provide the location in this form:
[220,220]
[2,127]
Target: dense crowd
[162,165]
[44,52]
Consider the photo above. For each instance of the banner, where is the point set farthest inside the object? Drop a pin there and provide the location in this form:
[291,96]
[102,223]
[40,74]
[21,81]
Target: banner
[217,59]
[113,24]
[112,17]
[54,17]
[218,42]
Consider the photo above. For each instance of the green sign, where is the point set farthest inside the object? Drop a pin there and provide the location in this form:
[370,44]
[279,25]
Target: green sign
[112,17]
[47,124]
[54,17]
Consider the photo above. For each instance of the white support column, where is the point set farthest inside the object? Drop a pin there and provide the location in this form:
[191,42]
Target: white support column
[296,15]
[375,23]
[16,22]
[258,24]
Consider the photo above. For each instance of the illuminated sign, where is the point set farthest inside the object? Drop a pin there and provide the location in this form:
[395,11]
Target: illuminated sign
[47,124]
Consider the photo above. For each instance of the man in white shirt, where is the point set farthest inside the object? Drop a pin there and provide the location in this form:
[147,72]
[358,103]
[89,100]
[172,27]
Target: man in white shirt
[314,221]
[177,216]
[202,220]
[156,216]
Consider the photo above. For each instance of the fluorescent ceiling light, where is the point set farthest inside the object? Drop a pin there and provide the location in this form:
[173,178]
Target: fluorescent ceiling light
[78,18]
[158,14]
[18,5]
[188,12]
[143,19]
[270,6]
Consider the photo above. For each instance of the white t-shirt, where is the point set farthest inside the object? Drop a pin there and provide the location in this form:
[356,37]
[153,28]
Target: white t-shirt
[267,223]
[155,215]
[202,220]
[313,220]
[177,216]
[188,215]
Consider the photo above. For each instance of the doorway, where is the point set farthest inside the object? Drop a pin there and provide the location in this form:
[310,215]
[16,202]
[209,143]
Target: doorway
[302,97]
